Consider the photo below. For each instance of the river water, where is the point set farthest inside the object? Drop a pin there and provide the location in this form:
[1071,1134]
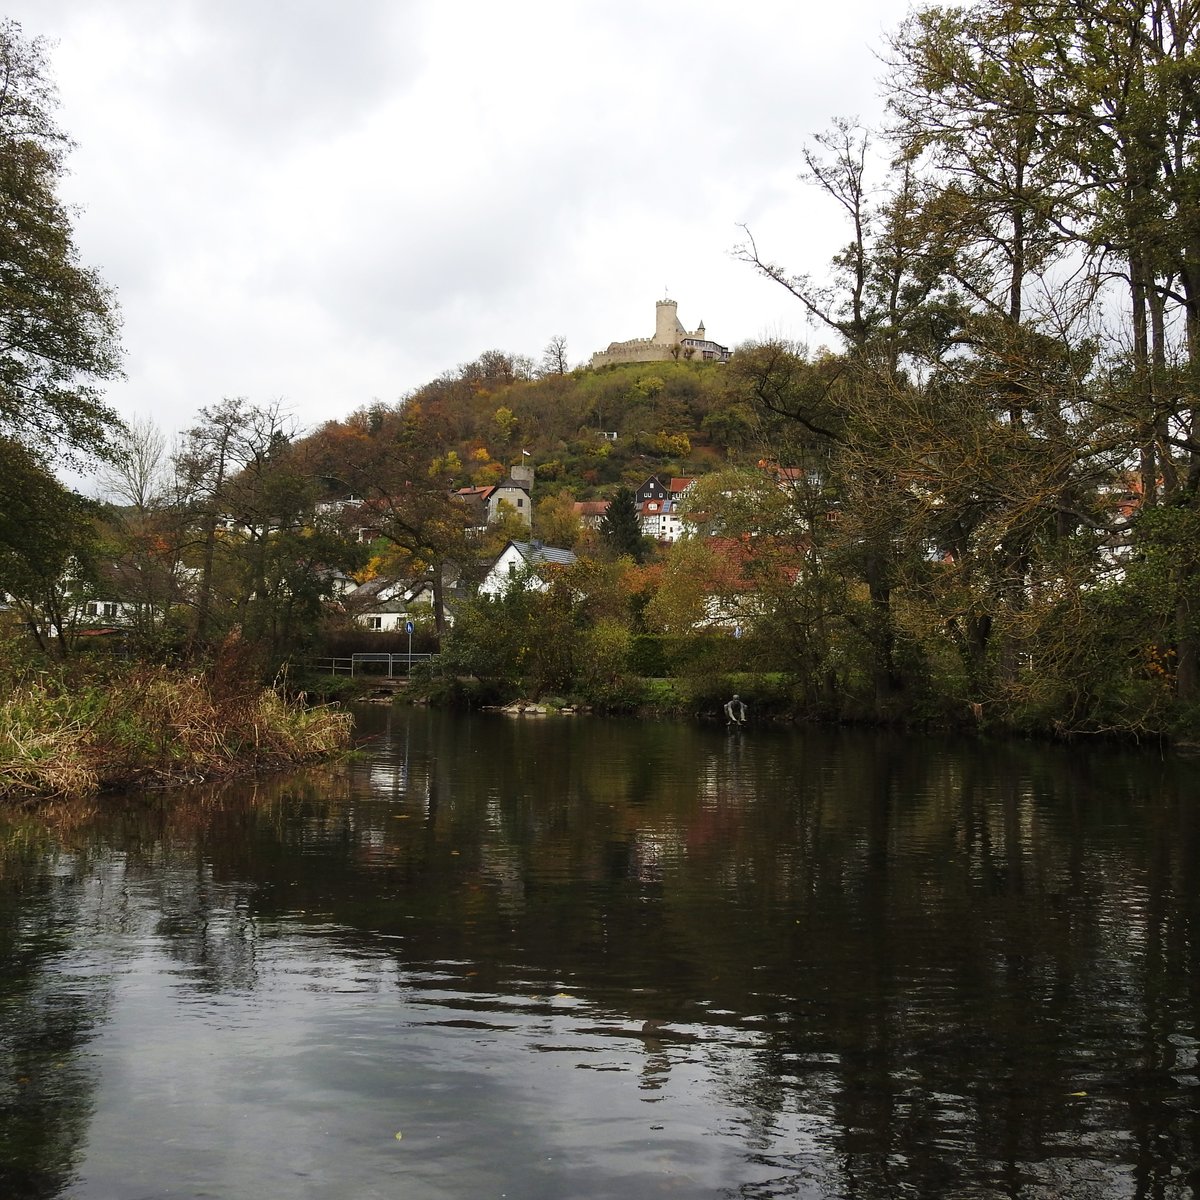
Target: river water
[497,957]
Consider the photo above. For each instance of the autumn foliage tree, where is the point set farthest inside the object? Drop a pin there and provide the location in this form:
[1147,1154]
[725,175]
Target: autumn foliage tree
[992,455]
[395,461]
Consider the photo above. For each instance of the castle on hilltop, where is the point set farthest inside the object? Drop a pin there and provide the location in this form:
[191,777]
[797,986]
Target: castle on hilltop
[670,341]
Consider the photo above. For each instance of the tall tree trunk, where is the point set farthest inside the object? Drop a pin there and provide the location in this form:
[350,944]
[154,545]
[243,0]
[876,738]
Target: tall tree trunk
[439,608]
[204,600]
[1187,633]
[1142,376]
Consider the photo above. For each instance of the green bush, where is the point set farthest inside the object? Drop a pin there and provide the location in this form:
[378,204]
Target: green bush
[649,655]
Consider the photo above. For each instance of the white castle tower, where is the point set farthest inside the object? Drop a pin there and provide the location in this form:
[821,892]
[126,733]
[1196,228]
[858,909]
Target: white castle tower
[667,329]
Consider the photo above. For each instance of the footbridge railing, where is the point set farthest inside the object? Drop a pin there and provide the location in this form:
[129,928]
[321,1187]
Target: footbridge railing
[387,666]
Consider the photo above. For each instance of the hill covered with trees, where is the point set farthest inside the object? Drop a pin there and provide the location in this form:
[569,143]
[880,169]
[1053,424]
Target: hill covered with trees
[585,430]
[979,502]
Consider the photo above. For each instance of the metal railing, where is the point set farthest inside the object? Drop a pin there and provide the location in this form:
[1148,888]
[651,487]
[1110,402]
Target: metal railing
[369,664]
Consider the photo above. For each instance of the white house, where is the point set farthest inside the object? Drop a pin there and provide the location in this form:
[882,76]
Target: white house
[524,564]
[661,520]
[386,605]
[115,612]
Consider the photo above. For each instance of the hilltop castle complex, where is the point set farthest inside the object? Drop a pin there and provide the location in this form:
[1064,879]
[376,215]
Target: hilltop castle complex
[670,341]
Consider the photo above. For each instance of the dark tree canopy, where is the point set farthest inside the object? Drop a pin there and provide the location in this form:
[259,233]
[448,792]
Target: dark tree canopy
[58,320]
[38,519]
[621,529]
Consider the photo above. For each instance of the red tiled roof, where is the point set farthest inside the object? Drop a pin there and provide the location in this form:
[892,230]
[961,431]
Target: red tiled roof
[740,553]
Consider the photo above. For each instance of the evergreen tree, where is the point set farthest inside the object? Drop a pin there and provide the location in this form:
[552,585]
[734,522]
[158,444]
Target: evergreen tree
[621,528]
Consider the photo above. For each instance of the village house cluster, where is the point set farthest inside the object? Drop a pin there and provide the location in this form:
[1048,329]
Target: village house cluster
[386,604]
[660,505]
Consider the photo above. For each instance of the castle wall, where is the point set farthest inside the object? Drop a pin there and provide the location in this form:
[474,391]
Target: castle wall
[638,350]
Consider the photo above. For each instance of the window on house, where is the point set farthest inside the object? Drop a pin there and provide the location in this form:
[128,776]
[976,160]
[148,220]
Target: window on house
[374,622]
[93,610]
[520,501]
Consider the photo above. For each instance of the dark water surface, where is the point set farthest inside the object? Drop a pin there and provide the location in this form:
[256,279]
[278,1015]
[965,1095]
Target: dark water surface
[526,959]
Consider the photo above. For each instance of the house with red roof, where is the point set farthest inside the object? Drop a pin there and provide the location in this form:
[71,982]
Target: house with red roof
[659,504]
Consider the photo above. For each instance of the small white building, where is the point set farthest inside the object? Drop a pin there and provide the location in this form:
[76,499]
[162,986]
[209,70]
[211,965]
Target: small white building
[386,605]
[524,564]
[113,612]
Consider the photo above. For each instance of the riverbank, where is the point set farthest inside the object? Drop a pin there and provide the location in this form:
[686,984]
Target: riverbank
[774,698]
[74,737]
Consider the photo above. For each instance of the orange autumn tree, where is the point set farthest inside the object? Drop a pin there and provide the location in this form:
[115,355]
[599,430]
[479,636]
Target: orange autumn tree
[394,461]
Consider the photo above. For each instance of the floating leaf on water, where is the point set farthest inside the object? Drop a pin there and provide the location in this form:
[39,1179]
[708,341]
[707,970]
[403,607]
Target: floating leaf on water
[399,1135]
[1078,1093]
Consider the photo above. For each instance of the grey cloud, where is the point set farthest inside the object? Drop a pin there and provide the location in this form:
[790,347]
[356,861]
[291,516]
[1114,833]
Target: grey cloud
[304,69]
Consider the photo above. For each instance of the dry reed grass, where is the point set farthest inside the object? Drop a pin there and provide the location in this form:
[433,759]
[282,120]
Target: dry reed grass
[152,727]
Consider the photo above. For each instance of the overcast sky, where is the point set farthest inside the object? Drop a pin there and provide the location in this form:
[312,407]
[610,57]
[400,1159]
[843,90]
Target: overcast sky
[331,204]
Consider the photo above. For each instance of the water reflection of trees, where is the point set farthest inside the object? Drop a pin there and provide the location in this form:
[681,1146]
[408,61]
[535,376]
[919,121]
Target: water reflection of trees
[45,1084]
[77,893]
[946,945]
[923,953]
